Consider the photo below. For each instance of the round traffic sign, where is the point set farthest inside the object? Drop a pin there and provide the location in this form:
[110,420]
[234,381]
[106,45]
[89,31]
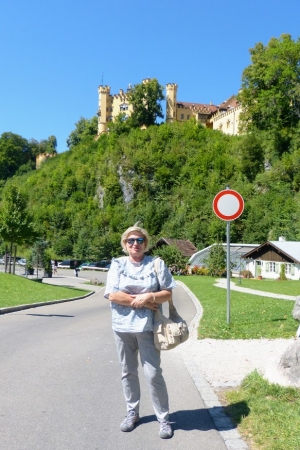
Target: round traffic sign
[228,205]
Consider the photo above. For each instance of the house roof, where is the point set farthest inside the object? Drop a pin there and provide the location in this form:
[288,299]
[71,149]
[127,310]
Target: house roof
[291,249]
[236,251]
[184,246]
[205,108]
[232,102]
[199,107]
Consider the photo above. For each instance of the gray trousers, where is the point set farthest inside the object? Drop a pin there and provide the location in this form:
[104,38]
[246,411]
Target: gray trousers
[128,346]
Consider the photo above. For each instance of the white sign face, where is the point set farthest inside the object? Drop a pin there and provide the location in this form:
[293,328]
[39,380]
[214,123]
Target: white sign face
[228,205]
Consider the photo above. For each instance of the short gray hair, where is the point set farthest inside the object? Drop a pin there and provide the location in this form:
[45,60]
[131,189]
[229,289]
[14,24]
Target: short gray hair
[132,230]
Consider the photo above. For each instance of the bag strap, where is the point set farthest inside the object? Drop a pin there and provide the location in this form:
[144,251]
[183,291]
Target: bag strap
[156,264]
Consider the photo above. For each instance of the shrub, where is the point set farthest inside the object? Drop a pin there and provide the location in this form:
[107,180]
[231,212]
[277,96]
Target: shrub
[198,270]
[246,274]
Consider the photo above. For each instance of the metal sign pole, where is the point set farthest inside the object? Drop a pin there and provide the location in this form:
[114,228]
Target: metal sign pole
[228,272]
[228,205]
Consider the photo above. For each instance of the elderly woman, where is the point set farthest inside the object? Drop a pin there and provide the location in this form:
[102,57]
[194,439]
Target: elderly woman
[135,291]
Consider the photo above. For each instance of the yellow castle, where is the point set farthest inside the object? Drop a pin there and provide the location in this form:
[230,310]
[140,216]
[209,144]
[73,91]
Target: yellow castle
[223,117]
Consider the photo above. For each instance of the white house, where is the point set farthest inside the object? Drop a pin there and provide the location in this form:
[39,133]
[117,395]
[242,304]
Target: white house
[267,259]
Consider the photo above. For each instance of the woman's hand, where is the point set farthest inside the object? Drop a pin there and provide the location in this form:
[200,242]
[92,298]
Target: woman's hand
[142,300]
[152,306]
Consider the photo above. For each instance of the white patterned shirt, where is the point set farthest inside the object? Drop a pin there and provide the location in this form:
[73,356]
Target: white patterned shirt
[135,278]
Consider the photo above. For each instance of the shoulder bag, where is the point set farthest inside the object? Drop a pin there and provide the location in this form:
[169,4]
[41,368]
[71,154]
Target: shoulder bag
[169,331]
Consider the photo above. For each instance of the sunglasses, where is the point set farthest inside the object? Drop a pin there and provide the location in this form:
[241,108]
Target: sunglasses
[131,241]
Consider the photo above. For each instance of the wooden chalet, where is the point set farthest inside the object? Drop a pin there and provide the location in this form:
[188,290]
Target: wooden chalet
[267,258]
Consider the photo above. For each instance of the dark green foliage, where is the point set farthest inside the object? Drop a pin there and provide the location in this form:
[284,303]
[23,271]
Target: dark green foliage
[17,155]
[167,177]
[16,224]
[15,152]
[172,257]
[145,99]
[84,128]
[270,85]
[270,92]
[216,262]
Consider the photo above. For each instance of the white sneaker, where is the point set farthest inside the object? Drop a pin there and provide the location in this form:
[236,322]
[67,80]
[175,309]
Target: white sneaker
[165,430]
[129,422]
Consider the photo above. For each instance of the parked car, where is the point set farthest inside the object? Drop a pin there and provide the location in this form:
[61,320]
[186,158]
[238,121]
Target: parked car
[67,264]
[83,265]
[99,265]
[64,264]
[22,262]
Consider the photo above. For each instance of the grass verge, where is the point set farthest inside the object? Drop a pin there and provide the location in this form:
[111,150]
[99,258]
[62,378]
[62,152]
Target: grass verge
[17,291]
[267,415]
[251,316]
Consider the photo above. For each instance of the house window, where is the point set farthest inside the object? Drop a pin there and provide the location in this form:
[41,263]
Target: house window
[272,267]
[290,269]
[181,116]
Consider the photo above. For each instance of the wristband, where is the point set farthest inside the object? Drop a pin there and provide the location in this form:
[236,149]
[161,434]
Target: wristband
[153,297]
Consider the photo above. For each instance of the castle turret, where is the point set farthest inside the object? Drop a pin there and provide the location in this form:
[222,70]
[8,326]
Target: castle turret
[171,100]
[103,105]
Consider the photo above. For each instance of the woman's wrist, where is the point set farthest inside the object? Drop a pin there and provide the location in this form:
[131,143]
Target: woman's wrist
[153,297]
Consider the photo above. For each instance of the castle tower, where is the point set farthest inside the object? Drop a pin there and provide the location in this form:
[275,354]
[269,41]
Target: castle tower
[103,105]
[171,101]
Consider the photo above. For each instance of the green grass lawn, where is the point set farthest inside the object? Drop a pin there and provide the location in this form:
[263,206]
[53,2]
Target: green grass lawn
[267,414]
[251,316]
[16,290]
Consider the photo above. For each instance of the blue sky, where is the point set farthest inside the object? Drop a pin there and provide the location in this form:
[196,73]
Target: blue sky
[54,55]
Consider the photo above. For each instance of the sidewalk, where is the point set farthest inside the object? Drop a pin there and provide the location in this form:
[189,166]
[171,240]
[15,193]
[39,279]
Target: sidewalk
[222,283]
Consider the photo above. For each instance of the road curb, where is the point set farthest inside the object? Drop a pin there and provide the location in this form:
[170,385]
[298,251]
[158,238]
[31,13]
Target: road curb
[222,422]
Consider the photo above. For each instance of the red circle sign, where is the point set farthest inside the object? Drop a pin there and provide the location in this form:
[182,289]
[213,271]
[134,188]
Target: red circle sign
[228,205]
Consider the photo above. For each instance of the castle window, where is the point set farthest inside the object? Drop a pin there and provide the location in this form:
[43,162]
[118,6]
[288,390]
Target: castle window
[124,107]
[188,117]
[181,116]
[228,123]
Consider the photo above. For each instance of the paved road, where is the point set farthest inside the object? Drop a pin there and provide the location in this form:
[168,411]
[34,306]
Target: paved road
[61,389]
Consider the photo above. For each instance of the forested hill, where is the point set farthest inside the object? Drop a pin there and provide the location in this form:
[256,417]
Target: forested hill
[166,177]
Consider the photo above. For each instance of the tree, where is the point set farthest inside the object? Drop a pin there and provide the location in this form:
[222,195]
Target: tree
[270,93]
[145,99]
[171,256]
[84,128]
[16,224]
[14,152]
[251,155]
[216,262]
